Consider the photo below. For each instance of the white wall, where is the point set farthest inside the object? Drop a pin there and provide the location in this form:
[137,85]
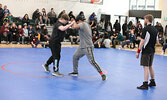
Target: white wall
[112,7]
[164,12]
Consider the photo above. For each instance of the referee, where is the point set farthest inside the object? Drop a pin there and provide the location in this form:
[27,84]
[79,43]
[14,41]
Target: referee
[147,46]
[55,44]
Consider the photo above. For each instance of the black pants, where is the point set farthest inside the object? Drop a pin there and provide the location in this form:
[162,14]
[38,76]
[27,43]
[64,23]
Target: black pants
[55,50]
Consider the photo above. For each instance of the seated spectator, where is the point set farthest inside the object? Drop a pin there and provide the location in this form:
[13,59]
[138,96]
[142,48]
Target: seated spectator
[36,40]
[117,38]
[94,38]
[73,36]
[5,18]
[92,16]
[26,37]
[4,32]
[10,17]
[1,13]
[25,20]
[21,34]
[81,14]
[107,42]
[131,40]
[52,16]
[45,18]
[44,34]
[39,21]
[37,29]
[5,10]
[31,33]
[63,12]
[46,44]
[35,15]
[161,39]
[164,46]
[71,15]
[99,42]
[14,33]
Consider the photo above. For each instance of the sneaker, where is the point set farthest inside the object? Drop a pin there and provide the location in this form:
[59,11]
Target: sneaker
[104,77]
[152,83]
[163,52]
[57,74]
[144,86]
[73,74]
[46,68]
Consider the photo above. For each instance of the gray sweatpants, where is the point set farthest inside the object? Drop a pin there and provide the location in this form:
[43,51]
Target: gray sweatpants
[80,52]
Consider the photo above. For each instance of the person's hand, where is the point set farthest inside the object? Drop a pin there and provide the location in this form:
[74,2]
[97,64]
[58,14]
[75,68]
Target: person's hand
[14,33]
[137,55]
[72,22]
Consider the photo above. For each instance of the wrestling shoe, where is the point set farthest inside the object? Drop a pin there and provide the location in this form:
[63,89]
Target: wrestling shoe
[46,68]
[57,74]
[152,83]
[104,77]
[144,86]
[73,74]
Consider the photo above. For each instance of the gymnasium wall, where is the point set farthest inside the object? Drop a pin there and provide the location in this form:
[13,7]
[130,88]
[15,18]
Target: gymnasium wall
[164,12]
[112,7]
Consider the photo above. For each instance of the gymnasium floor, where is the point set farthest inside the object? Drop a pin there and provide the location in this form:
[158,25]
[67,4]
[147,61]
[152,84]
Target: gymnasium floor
[23,78]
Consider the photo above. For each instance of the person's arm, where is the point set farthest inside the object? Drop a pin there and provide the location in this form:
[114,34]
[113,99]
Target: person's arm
[63,28]
[157,40]
[75,26]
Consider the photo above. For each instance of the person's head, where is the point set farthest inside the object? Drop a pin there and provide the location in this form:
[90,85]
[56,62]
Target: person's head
[160,35]
[148,19]
[25,27]
[80,19]
[5,7]
[63,11]
[44,27]
[117,32]
[10,14]
[52,10]
[37,26]
[43,10]
[5,15]
[159,24]
[0,5]
[130,23]
[125,21]
[26,16]
[6,24]
[13,25]
[93,14]
[138,22]
[37,10]
[19,27]
[64,18]
[71,13]
[81,13]
[30,26]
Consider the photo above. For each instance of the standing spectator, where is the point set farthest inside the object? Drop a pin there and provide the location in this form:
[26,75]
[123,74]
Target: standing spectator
[5,18]
[117,26]
[10,17]
[125,28]
[71,15]
[21,34]
[4,32]
[35,14]
[26,36]
[45,17]
[1,13]
[130,25]
[39,21]
[44,34]
[31,33]
[92,16]
[25,20]
[159,28]
[93,25]
[108,27]
[52,16]
[63,12]
[6,11]
[107,42]
[14,33]
[161,39]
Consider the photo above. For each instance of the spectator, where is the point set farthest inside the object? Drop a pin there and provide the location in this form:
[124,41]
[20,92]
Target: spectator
[99,42]
[125,28]
[92,16]
[81,14]
[159,28]
[21,34]
[6,11]
[35,14]
[71,15]
[165,45]
[52,16]
[1,13]
[31,33]
[131,40]
[117,26]
[39,21]
[93,25]
[46,44]
[14,33]
[5,18]
[4,32]
[107,42]
[44,34]
[25,20]
[108,27]
[37,30]
[63,12]
[130,25]
[45,18]
[26,37]
[139,29]
[94,37]
[36,40]
[161,39]
[138,39]
[117,38]
[10,17]
[102,25]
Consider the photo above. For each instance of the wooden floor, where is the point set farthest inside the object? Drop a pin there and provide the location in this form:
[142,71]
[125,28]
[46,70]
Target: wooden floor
[158,48]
